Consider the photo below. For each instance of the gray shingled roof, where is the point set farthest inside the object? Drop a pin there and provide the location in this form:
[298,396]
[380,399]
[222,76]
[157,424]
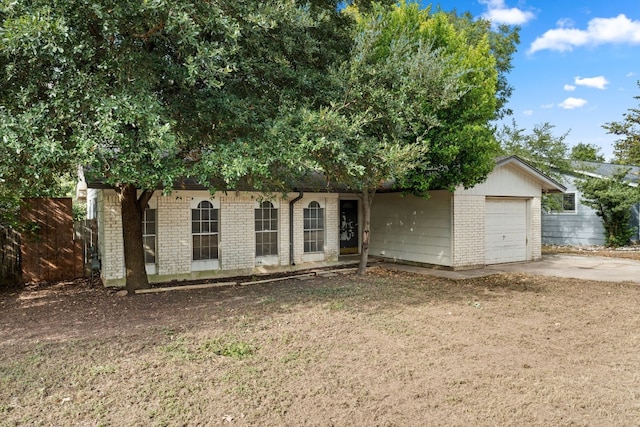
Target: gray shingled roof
[606,170]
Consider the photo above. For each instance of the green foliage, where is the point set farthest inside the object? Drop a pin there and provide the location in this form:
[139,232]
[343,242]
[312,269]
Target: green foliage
[627,148]
[79,211]
[587,153]
[228,347]
[463,148]
[612,200]
[138,91]
[412,103]
[503,41]
[145,92]
[541,148]
[416,94]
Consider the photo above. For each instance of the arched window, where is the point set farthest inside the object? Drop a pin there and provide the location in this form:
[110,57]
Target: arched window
[313,228]
[204,230]
[266,230]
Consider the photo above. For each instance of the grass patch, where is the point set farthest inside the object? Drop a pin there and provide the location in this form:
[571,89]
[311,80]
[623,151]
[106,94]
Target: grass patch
[228,347]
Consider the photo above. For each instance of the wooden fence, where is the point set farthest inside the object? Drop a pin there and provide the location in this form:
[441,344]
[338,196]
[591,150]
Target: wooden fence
[50,250]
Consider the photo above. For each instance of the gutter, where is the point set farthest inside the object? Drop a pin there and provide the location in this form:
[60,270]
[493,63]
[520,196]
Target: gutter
[291,203]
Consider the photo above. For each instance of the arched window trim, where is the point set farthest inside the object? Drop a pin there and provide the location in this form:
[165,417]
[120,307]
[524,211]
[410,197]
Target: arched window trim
[266,229]
[205,225]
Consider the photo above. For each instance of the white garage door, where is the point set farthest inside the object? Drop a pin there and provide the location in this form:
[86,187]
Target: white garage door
[505,231]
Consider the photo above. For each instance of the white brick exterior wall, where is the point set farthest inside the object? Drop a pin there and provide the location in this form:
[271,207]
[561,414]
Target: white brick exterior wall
[110,236]
[332,226]
[535,235]
[173,254]
[236,233]
[468,235]
[284,243]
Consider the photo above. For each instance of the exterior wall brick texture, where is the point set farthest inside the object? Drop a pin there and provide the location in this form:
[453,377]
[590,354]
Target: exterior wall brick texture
[173,233]
[468,230]
[536,228]
[236,231]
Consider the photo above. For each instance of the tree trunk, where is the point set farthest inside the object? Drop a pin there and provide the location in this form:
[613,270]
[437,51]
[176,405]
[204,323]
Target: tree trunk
[367,199]
[132,209]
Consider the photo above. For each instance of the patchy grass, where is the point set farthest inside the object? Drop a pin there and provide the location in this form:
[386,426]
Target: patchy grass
[388,349]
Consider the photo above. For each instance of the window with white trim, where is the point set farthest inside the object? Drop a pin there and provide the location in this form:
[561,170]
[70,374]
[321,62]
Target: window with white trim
[266,217]
[564,203]
[313,228]
[204,231]
[149,227]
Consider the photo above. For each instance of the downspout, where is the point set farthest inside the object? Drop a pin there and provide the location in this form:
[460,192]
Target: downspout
[291,203]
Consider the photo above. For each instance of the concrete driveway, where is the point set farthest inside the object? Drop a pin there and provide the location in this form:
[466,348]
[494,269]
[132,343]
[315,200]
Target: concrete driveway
[557,265]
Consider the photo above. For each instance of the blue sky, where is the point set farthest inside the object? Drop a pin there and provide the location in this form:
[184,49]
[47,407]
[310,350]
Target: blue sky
[577,65]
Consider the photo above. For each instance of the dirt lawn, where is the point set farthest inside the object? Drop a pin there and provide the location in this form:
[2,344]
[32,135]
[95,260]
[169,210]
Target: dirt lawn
[390,349]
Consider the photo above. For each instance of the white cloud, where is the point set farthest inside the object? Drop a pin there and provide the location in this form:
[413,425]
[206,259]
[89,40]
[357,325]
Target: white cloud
[631,74]
[599,31]
[595,82]
[569,88]
[571,103]
[547,106]
[528,112]
[565,23]
[497,12]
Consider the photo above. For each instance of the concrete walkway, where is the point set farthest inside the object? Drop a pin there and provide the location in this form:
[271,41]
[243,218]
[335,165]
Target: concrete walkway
[557,265]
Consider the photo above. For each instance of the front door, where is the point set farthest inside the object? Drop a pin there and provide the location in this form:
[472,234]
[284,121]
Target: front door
[348,227]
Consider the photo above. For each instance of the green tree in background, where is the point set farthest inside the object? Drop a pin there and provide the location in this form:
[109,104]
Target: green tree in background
[612,199]
[542,149]
[545,151]
[586,153]
[627,148]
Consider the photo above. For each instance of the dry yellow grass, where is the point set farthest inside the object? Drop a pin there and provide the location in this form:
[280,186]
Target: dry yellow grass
[388,349]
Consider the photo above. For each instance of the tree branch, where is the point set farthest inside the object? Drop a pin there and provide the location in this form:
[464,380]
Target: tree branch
[149,33]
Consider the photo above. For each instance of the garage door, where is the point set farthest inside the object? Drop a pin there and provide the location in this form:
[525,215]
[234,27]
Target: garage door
[505,231]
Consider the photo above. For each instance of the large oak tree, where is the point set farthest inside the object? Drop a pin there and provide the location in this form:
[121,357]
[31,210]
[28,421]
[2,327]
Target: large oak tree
[143,93]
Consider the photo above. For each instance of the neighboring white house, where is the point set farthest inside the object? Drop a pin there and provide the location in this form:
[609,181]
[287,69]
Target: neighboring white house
[190,234]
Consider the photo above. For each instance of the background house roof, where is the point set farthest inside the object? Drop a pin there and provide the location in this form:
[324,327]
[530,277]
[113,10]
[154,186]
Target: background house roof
[606,170]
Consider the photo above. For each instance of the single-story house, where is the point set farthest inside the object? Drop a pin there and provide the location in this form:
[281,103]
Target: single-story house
[575,224]
[191,234]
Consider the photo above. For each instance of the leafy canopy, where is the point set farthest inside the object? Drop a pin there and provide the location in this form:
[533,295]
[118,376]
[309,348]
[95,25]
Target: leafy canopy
[586,153]
[627,148]
[144,92]
[412,103]
[545,151]
[416,93]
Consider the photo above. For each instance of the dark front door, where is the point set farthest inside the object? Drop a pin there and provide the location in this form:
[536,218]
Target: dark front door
[348,227]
